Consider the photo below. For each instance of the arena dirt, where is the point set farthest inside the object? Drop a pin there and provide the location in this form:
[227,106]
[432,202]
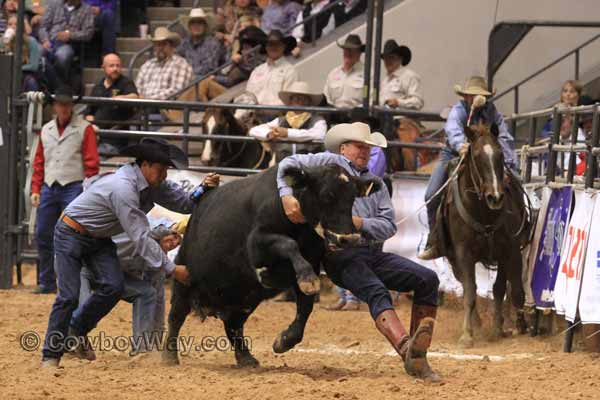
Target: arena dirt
[342,357]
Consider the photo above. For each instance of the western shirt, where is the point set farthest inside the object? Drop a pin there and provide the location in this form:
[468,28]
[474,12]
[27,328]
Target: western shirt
[376,210]
[404,85]
[270,78]
[118,202]
[345,89]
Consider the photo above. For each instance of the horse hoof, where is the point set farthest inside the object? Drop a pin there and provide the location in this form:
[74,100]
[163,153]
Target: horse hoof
[283,344]
[246,360]
[466,342]
[310,286]
[170,358]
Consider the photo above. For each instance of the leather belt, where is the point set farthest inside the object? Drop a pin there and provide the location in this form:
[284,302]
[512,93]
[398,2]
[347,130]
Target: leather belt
[76,226]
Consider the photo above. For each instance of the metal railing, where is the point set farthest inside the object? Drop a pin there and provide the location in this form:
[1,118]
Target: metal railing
[312,19]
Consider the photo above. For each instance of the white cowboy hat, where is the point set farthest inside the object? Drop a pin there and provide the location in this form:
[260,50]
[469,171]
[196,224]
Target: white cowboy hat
[300,88]
[474,85]
[195,15]
[356,132]
[161,34]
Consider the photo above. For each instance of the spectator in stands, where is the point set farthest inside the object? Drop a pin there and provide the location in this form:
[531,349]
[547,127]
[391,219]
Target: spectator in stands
[167,73]
[201,49]
[113,85]
[66,153]
[66,26]
[36,9]
[297,126]
[280,15]
[144,286]
[350,9]
[456,145]
[31,56]
[344,85]
[275,75]
[570,95]
[401,86]
[325,23]
[229,18]
[105,22]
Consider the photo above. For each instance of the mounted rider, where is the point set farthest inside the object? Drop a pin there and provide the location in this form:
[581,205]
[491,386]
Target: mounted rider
[457,145]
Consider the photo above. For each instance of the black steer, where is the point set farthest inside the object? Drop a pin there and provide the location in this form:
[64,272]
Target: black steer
[241,249]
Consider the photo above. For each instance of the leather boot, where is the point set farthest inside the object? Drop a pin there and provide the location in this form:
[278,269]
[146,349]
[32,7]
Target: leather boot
[421,331]
[83,349]
[431,250]
[390,326]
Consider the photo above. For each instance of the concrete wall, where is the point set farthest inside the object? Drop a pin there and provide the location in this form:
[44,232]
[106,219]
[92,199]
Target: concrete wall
[449,42]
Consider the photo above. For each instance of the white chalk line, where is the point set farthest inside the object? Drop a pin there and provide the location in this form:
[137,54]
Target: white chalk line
[334,350]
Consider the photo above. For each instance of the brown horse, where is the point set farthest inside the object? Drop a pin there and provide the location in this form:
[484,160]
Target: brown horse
[486,221]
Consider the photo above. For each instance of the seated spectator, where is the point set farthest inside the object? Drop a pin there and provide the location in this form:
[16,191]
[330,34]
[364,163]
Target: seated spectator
[36,10]
[31,55]
[344,85]
[113,85]
[351,9]
[167,73]
[201,49]
[275,75]
[401,86]
[105,22]
[570,96]
[144,286]
[280,15]
[65,154]
[66,26]
[325,23]
[297,126]
[229,18]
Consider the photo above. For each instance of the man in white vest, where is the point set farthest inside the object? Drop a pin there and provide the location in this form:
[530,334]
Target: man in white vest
[66,153]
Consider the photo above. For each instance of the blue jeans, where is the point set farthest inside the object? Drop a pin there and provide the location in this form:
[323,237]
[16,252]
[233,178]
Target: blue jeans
[370,274]
[436,181]
[53,200]
[147,295]
[105,24]
[346,295]
[72,250]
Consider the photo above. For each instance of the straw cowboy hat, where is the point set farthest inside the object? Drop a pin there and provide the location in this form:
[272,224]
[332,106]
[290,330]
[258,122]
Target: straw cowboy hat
[392,48]
[356,132]
[300,88]
[157,151]
[474,85]
[197,14]
[161,34]
[352,42]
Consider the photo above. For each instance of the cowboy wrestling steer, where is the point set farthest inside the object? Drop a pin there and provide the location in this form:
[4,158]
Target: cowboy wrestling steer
[241,249]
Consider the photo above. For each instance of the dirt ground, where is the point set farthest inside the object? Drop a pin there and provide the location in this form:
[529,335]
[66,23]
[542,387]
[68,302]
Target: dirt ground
[342,357]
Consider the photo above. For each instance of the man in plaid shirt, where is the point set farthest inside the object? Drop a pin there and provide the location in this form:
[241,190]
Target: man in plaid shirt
[167,73]
[66,26]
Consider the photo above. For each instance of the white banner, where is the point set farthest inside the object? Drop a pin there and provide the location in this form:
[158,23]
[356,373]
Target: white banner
[529,258]
[572,257]
[589,301]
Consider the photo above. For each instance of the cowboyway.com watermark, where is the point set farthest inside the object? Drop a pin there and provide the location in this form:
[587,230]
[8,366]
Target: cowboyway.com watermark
[31,341]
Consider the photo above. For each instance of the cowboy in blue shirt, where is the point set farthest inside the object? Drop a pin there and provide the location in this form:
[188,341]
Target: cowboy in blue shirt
[110,204]
[456,145]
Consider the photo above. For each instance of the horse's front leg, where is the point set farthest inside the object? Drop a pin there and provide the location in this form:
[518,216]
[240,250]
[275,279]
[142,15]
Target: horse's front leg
[469,298]
[514,273]
[499,294]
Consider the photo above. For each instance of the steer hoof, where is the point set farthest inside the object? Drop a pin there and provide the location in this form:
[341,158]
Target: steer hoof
[310,286]
[170,358]
[246,360]
[284,343]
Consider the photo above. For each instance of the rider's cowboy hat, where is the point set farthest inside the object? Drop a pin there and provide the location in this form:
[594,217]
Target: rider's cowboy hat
[356,132]
[392,48]
[277,37]
[197,14]
[352,42]
[162,34]
[64,94]
[300,88]
[474,85]
[157,151]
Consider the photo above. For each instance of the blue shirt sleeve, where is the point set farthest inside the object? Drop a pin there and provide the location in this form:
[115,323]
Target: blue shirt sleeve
[172,196]
[383,225]
[302,161]
[377,162]
[455,128]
